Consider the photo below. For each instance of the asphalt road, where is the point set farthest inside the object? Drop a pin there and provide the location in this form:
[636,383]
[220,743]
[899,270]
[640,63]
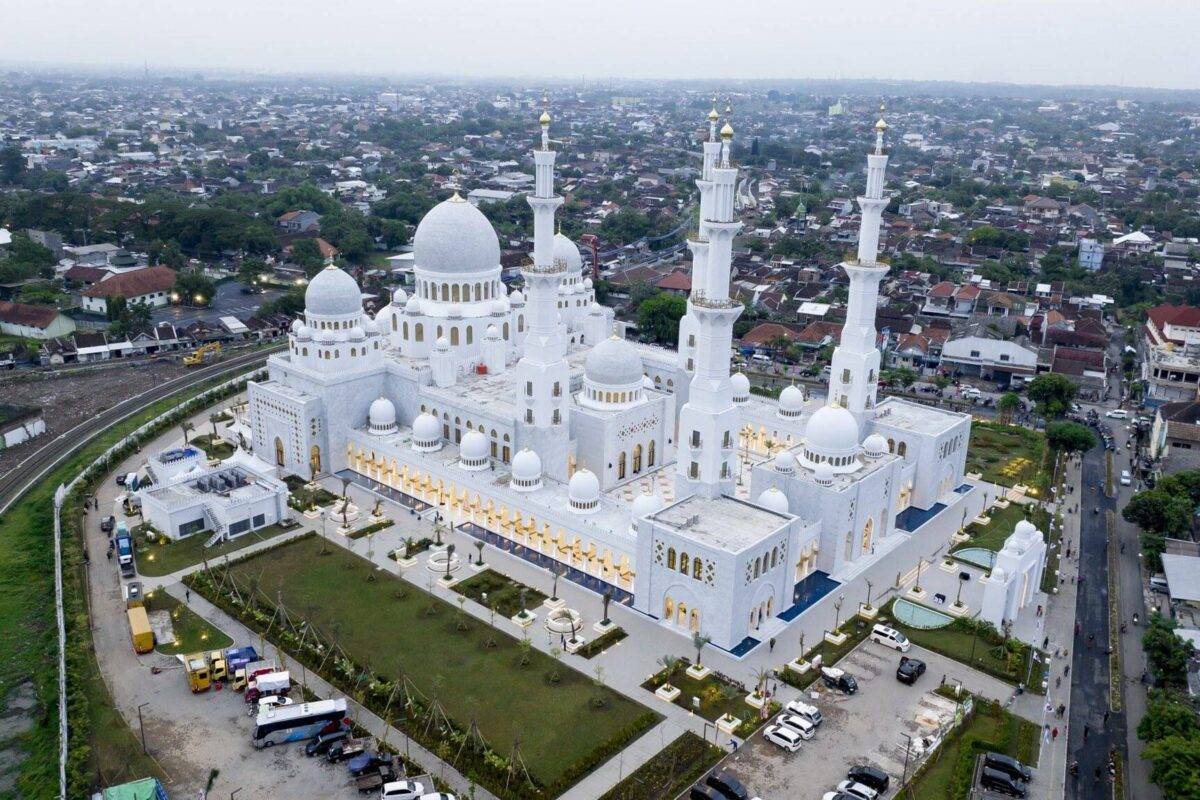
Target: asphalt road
[42,461]
[228,301]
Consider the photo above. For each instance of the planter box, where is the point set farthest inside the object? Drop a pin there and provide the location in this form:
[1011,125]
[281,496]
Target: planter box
[958,610]
[867,612]
[478,567]
[727,724]
[799,666]
[312,514]
[437,548]
[405,563]
[447,580]
[698,672]
[667,692]
[603,627]
[973,476]
[573,646]
[981,520]
[958,537]
[523,622]
[917,594]
[1002,504]
[835,639]
[755,702]
[554,603]
[947,566]
[345,530]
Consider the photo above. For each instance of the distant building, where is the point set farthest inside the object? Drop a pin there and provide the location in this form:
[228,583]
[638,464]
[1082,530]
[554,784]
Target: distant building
[299,221]
[33,321]
[480,197]
[1091,254]
[151,286]
[19,424]
[996,360]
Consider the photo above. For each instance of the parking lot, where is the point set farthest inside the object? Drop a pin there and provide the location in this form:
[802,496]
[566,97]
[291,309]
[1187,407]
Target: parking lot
[870,727]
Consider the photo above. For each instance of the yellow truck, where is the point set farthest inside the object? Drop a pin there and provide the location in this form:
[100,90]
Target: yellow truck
[203,353]
[198,675]
[140,630]
[216,663]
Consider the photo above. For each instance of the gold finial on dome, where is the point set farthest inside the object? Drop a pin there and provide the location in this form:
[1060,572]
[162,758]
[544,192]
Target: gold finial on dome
[544,119]
[713,116]
[881,125]
[727,131]
[456,197]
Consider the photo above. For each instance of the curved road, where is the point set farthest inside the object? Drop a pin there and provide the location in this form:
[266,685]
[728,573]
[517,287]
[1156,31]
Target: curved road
[46,458]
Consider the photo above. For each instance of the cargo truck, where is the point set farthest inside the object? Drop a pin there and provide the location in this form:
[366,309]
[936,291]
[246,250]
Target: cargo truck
[140,630]
[198,676]
[218,665]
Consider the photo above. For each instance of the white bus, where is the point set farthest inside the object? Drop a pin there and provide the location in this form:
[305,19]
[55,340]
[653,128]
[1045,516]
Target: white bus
[296,723]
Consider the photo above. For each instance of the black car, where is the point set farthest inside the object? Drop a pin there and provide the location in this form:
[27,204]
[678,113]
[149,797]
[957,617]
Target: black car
[843,683]
[323,741]
[1008,765]
[703,792]
[728,786]
[108,523]
[867,775]
[1000,782]
[909,670]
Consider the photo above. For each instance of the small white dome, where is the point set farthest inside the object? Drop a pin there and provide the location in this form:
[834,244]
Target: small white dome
[785,462]
[595,308]
[645,503]
[774,500]
[492,332]
[875,446]
[791,401]
[823,474]
[647,382]
[584,491]
[526,470]
[369,324]
[399,297]
[427,432]
[516,298]
[1026,530]
[381,417]
[999,575]
[300,330]
[473,451]
[413,306]
[613,362]
[442,343]
[332,293]
[587,283]
[741,387]
[832,434]
[455,238]
[566,251]
[500,305]
[356,334]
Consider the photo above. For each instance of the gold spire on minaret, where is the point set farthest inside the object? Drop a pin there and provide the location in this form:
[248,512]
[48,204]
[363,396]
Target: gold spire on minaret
[881,125]
[545,118]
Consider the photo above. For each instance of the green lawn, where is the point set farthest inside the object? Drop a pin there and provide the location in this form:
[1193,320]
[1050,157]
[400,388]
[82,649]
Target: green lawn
[192,633]
[717,696]
[395,627]
[993,535]
[948,776]
[502,592]
[1008,454]
[669,773]
[155,560]
[984,651]
[214,448]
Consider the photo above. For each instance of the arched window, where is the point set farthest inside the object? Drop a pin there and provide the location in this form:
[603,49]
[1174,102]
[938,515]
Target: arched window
[354,351]
[670,550]
[470,334]
[758,566]
[445,291]
[394,325]
[774,556]
[419,332]
[521,323]
[697,567]
[637,458]
[621,466]
[304,351]
[454,336]
[478,291]
[454,294]
[278,451]
[650,454]
[902,449]
[668,608]
[314,458]
[405,329]
[506,331]
[683,563]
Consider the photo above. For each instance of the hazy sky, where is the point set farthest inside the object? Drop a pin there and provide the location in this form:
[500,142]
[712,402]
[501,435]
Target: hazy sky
[1120,42]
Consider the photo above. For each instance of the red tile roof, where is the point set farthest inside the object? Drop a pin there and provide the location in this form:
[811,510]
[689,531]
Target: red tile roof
[943,289]
[28,315]
[678,280]
[134,284]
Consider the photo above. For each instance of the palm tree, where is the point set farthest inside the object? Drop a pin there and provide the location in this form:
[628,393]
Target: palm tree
[608,596]
[214,419]
[479,547]
[760,680]
[187,428]
[449,558]
[698,641]
[669,664]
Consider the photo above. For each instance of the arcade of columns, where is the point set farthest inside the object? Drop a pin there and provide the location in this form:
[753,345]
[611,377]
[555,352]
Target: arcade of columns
[459,506]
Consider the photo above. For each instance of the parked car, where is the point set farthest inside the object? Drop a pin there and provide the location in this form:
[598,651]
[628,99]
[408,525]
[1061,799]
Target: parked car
[272,701]
[837,679]
[324,741]
[1125,479]
[799,724]
[909,670]
[802,709]
[703,791]
[783,737]
[402,790]
[867,775]
[1158,583]
[1008,765]
[727,786]
[108,523]
[890,637]
[438,796]
[1117,413]
[1000,782]
[856,789]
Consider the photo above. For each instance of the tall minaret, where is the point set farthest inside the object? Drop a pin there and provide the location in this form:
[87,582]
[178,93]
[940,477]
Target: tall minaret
[543,381]
[855,369]
[709,421]
[699,244]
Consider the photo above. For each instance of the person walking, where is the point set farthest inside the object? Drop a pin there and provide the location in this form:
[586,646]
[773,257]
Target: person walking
[1054,734]
[1086,731]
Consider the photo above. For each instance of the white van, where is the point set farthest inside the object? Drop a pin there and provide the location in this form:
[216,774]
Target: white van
[890,637]
[1117,413]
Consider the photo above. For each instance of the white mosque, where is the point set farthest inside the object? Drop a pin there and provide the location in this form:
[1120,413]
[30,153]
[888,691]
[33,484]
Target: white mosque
[651,474]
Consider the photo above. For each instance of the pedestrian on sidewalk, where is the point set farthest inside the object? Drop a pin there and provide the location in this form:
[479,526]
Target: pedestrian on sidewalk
[1062,709]
[187,594]
[1054,734]
[1106,716]
[1086,731]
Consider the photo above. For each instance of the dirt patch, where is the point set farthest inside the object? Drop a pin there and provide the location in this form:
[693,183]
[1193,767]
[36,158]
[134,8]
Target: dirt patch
[16,719]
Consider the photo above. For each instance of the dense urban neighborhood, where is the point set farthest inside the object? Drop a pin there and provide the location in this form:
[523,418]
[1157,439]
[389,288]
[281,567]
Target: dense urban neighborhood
[622,440]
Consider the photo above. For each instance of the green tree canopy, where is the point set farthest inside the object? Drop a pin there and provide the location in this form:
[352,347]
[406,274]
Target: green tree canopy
[1176,769]
[194,287]
[658,317]
[1008,405]
[1053,394]
[1069,437]
[1166,653]
[1159,511]
[1168,714]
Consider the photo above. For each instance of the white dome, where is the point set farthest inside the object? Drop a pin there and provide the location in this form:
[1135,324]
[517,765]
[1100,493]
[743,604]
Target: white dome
[369,324]
[500,305]
[791,402]
[382,416]
[332,293]
[584,491]
[741,386]
[442,343]
[875,445]
[492,332]
[1026,530]
[413,306]
[399,297]
[999,575]
[516,298]
[831,432]
[427,432]
[774,500]
[647,382]
[823,473]
[645,503]
[357,334]
[526,470]
[613,362]
[587,283]
[785,462]
[473,451]
[300,330]
[595,308]
[566,251]
[455,238]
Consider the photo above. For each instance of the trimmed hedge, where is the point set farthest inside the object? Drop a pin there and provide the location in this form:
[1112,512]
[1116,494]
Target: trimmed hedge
[670,772]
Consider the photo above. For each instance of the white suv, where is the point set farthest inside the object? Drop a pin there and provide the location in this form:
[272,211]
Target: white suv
[783,737]
[805,711]
[798,724]
[890,637]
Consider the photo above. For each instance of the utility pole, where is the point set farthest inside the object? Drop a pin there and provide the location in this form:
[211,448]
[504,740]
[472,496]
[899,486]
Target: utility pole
[142,728]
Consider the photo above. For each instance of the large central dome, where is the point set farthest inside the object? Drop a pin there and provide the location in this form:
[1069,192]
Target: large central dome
[455,238]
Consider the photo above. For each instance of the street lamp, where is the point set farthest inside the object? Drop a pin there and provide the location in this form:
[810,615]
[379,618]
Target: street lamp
[142,728]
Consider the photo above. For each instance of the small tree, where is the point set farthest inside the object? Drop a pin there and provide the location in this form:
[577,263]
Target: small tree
[761,676]
[698,641]
[449,558]
[437,532]
[1007,406]
[187,428]
[607,598]
[526,647]
[669,664]
[556,571]
[523,600]
[479,550]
